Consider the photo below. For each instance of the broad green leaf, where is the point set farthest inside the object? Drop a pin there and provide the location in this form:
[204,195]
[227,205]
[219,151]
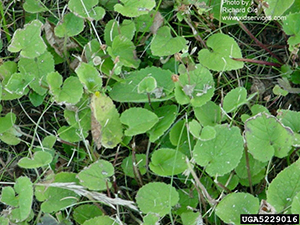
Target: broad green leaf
[106,114]
[7,122]
[138,120]
[58,198]
[234,99]
[4,221]
[18,83]
[126,91]
[196,87]
[39,159]
[296,204]
[134,8]
[228,180]
[100,220]
[209,114]
[187,199]
[127,165]
[195,128]
[291,26]
[267,137]
[86,212]
[224,48]
[71,26]
[34,6]
[166,115]
[89,77]
[255,166]
[36,99]
[284,187]
[113,29]
[167,162]
[150,219]
[164,44]
[10,136]
[290,118]
[277,90]
[233,205]
[80,119]
[207,133]
[221,154]
[22,202]
[28,40]
[277,7]
[123,49]
[35,71]
[71,133]
[96,176]
[147,85]
[191,218]
[86,9]
[157,198]
[255,179]
[70,92]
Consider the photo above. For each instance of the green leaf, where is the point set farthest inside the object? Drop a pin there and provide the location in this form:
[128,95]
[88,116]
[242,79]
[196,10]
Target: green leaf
[123,49]
[167,162]
[296,204]
[207,133]
[86,9]
[70,92]
[191,218]
[209,114]
[71,26]
[28,40]
[7,122]
[138,120]
[34,6]
[126,91]
[150,219]
[164,44]
[100,220]
[255,179]
[89,77]
[166,115]
[127,165]
[277,7]
[71,134]
[290,118]
[22,202]
[277,90]
[284,187]
[195,128]
[39,159]
[36,99]
[267,137]
[291,26]
[10,137]
[35,71]
[86,212]
[221,154]
[224,48]
[147,85]
[196,87]
[107,116]
[134,8]
[233,205]
[18,83]
[58,198]
[96,176]
[187,199]
[157,198]
[234,99]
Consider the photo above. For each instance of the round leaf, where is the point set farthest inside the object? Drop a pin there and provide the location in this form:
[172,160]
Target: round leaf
[234,99]
[40,159]
[209,114]
[71,26]
[157,198]
[86,9]
[127,165]
[167,162]
[147,85]
[138,120]
[134,8]
[221,154]
[89,77]
[86,212]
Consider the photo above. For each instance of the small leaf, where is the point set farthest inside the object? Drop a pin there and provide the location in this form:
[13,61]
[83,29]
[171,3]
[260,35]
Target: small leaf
[209,114]
[267,137]
[33,6]
[277,90]
[86,212]
[96,176]
[134,8]
[224,48]
[86,9]
[277,7]
[164,44]
[40,159]
[284,187]
[147,85]
[195,128]
[7,122]
[100,220]
[138,120]
[157,198]
[288,118]
[189,218]
[109,131]
[221,154]
[167,162]
[233,205]
[28,40]
[234,99]
[89,77]
[71,26]
[207,133]
[127,165]
[291,26]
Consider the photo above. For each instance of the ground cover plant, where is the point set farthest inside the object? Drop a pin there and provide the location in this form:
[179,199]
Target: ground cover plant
[148,112]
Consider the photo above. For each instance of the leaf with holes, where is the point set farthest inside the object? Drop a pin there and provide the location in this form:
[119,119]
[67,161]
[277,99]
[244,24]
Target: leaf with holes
[224,48]
[134,8]
[267,137]
[28,40]
[221,154]
[164,44]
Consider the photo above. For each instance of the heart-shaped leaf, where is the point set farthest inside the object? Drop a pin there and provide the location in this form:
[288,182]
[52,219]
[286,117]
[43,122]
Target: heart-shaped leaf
[40,159]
